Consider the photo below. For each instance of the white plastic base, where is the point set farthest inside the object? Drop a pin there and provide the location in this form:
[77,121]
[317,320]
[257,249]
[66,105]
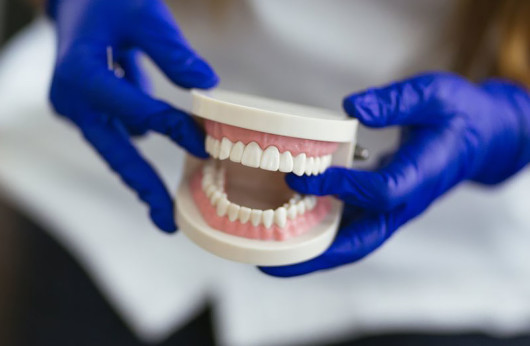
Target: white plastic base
[257,252]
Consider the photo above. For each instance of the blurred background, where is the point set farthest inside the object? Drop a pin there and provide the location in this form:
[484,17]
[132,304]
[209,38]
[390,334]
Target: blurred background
[81,264]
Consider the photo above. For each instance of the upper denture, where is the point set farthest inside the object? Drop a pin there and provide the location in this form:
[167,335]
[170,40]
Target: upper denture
[296,146]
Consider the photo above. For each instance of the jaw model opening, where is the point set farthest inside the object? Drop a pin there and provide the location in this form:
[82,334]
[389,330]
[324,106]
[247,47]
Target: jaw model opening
[237,204]
[257,215]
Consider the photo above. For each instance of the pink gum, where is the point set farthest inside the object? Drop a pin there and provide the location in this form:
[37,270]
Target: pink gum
[293,228]
[295,145]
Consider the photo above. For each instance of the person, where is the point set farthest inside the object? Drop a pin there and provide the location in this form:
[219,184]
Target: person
[456,130]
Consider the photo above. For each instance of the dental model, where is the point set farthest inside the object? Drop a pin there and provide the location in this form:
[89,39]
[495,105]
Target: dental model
[236,204]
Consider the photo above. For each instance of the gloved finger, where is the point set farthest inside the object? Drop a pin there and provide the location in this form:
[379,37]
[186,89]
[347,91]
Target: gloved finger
[111,141]
[352,243]
[159,37]
[85,68]
[417,162]
[421,100]
[133,72]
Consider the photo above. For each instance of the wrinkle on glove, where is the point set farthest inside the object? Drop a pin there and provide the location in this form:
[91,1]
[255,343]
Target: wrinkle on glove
[109,108]
[456,131]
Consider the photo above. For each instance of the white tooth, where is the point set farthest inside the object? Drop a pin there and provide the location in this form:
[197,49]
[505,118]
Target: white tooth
[310,202]
[210,191]
[286,162]
[215,148]
[300,206]
[244,214]
[309,163]
[316,166]
[291,212]
[255,216]
[237,152]
[270,160]
[268,218]
[207,180]
[251,155]
[299,164]
[233,211]
[280,217]
[325,161]
[296,198]
[209,144]
[224,151]
[215,197]
[222,206]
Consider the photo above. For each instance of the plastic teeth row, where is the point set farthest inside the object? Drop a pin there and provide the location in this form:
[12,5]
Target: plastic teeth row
[270,159]
[213,187]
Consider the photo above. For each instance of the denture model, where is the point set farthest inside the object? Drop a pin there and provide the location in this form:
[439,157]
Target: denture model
[237,204]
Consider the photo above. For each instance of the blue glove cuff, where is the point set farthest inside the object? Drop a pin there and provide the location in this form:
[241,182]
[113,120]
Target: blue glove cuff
[51,8]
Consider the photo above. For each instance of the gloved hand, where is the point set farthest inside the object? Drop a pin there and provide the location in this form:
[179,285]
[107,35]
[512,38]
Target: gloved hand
[456,131]
[109,109]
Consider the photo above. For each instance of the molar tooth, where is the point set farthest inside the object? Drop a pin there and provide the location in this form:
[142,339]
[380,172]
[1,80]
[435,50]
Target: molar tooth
[237,152]
[291,212]
[210,191]
[295,199]
[233,211]
[216,146]
[286,162]
[316,166]
[280,217]
[325,162]
[270,160]
[207,180]
[209,144]
[255,216]
[299,164]
[244,214]
[224,151]
[251,155]
[300,206]
[310,202]
[268,218]
[309,163]
[222,206]
[215,197]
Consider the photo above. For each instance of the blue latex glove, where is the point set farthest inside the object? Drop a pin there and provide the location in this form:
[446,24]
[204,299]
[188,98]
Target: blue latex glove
[456,131]
[108,109]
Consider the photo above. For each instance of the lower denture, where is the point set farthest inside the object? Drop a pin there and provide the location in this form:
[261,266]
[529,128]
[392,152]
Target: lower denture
[294,227]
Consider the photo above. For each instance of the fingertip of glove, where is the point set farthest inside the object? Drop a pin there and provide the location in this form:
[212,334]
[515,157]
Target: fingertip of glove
[198,74]
[363,106]
[165,222]
[276,272]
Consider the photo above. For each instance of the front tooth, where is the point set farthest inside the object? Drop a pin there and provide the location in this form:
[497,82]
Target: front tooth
[216,147]
[255,216]
[310,162]
[215,197]
[280,217]
[237,152]
[299,164]
[224,151]
[270,160]
[244,214]
[251,155]
[222,206]
[300,206]
[286,162]
[233,211]
[316,166]
[268,218]
[291,212]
